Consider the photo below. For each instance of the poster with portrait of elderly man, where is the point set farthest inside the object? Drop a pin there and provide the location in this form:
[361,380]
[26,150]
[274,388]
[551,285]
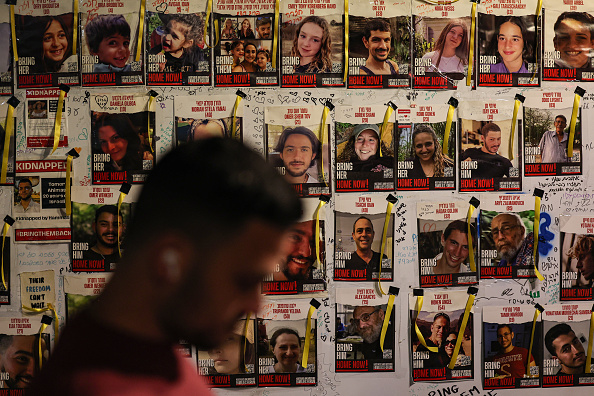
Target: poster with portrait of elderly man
[577,258]
[360,318]
[507,236]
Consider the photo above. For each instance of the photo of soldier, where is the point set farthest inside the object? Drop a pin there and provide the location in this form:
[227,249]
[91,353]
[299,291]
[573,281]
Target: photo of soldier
[577,258]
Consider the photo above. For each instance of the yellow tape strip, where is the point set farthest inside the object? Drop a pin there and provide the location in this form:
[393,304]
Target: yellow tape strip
[386,320]
[50,307]
[217,36]
[4,232]
[140,30]
[346,41]
[74,26]
[387,115]
[151,103]
[322,140]
[440,2]
[245,332]
[58,120]
[235,107]
[589,354]
[39,351]
[383,247]
[312,309]
[13,33]
[68,186]
[8,129]
[535,234]
[448,127]
[120,200]
[417,330]
[469,236]
[317,239]
[469,303]
[275,38]
[536,313]
[510,147]
[471,49]
[206,21]
[574,113]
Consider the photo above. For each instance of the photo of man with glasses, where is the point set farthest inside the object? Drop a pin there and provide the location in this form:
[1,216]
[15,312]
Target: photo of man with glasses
[512,360]
[368,325]
[513,246]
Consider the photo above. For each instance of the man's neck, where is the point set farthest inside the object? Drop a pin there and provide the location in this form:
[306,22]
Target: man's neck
[572,370]
[509,348]
[560,135]
[103,250]
[297,179]
[366,255]
[377,66]
[25,203]
[485,151]
[435,341]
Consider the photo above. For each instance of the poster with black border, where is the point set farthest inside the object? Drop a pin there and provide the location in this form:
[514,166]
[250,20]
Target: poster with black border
[484,146]
[109,44]
[567,40]
[576,241]
[507,338]
[300,272]
[358,224]
[177,44]
[81,289]
[379,44]
[547,118]
[246,45]
[10,164]
[422,164]
[199,117]
[439,322]
[364,149]
[122,138]
[509,44]
[297,145]
[6,255]
[45,35]
[361,312]
[566,328]
[443,246]
[233,363]
[442,42]
[40,117]
[507,238]
[282,332]
[312,44]
[6,65]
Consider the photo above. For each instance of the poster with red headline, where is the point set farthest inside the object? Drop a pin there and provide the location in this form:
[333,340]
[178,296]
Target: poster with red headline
[41,112]
[576,269]
[6,66]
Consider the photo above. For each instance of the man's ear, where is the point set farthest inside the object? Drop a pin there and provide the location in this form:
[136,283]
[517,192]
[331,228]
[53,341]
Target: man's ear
[381,314]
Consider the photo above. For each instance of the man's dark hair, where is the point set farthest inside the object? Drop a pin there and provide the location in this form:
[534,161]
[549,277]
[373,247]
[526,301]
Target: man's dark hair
[359,218]
[315,143]
[554,332]
[25,180]
[586,19]
[376,24]
[562,117]
[501,326]
[490,127]
[111,209]
[441,315]
[263,21]
[5,342]
[460,226]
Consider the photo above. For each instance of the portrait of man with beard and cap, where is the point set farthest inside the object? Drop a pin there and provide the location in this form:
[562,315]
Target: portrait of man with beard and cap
[18,360]
[108,228]
[301,254]
[368,325]
[299,149]
[513,246]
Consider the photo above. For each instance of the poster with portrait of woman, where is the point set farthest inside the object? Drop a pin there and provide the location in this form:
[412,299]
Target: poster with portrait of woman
[422,162]
[379,44]
[508,334]
[283,336]
[297,144]
[441,43]
[122,138]
[509,44]
[6,59]
[40,118]
[439,323]
[547,119]
[364,149]
[568,37]
[444,244]
[312,43]
[209,116]
[44,34]
[233,362]
[110,48]
[577,257]
[490,155]
[177,43]
[12,145]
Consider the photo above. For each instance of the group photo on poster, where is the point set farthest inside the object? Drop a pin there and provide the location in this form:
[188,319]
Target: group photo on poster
[577,258]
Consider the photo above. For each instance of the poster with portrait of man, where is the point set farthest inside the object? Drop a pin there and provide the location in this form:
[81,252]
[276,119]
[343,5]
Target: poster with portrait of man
[568,36]
[359,225]
[364,149]
[490,155]
[444,244]
[286,348]
[576,248]
[507,236]
[297,144]
[379,44]
[203,117]
[547,137]
[566,328]
[439,322]
[509,44]
[508,335]
[441,45]
[360,318]
[6,80]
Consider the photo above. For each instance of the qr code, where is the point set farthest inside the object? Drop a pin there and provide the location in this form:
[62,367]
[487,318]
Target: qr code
[388,173]
[514,172]
[448,171]
[336,67]
[73,67]
[387,354]
[147,164]
[136,66]
[317,274]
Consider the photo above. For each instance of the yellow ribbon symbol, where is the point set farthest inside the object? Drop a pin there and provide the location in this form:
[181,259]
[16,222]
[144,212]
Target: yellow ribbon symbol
[124,190]
[387,115]
[151,107]
[245,334]
[538,194]
[346,40]
[58,121]
[538,311]
[391,201]
[474,203]
[13,34]
[519,99]
[13,102]
[275,37]
[45,321]
[140,30]
[74,26]
[206,21]
[240,95]
[71,155]
[453,102]
[8,221]
[471,49]
[579,93]
[324,199]
[472,291]
[589,354]
[392,292]
[419,294]
[314,304]
[328,106]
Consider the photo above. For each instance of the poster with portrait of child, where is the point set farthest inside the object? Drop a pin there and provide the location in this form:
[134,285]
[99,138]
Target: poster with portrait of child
[577,261]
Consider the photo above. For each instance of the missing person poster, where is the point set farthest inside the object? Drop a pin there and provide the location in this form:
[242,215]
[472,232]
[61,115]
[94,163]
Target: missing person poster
[422,163]
[442,42]
[12,143]
[44,34]
[566,328]
[312,43]
[282,334]
[6,80]
[38,289]
[444,244]
[568,36]
[364,149]
[177,43]
[42,108]
[440,324]
[490,154]
[577,261]
[359,225]
[508,335]
[303,269]
[122,138]
[81,289]
[297,144]
[246,55]
[547,118]
[509,44]
[360,317]
[379,44]
[200,117]
[507,237]
[109,44]
[233,363]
